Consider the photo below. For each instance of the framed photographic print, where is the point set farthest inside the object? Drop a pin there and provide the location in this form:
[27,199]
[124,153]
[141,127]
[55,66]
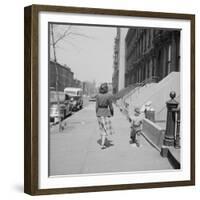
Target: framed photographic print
[109,99]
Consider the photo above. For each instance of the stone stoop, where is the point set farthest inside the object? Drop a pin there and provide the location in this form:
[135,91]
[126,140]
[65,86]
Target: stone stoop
[153,133]
[156,93]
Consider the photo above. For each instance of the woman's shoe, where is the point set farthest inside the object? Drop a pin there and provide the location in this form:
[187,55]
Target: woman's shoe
[103,147]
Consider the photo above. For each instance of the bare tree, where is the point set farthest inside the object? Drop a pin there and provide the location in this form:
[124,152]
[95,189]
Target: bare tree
[57,76]
[61,35]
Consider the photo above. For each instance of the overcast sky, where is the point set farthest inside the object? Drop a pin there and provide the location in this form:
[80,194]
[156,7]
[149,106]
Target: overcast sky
[88,51]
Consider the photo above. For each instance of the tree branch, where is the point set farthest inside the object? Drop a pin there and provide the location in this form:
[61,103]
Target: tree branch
[63,35]
[80,34]
[72,44]
[67,33]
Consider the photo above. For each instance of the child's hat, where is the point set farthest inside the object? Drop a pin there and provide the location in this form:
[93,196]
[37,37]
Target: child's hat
[137,110]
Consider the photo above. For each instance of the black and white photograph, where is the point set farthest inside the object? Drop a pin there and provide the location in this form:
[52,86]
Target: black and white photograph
[114,99]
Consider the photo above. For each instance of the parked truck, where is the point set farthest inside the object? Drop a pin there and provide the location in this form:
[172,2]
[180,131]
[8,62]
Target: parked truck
[76,97]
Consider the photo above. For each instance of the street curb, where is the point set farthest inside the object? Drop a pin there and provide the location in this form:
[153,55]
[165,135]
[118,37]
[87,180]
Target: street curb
[150,142]
[174,162]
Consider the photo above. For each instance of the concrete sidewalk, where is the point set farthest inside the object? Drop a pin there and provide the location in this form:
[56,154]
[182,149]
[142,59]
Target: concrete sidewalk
[77,149]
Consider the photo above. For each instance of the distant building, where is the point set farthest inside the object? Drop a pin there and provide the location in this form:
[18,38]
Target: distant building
[110,88]
[122,60]
[89,88]
[77,83]
[151,54]
[64,75]
[115,77]
[118,78]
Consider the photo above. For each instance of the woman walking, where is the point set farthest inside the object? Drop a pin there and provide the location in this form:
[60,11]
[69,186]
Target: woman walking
[104,110]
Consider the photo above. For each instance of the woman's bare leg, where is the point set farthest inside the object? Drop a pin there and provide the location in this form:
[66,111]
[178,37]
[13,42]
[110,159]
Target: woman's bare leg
[103,138]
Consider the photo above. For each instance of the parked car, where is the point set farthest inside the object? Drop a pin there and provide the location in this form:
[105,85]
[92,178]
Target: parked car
[59,109]
[76,97]
[56,112]
[68,105]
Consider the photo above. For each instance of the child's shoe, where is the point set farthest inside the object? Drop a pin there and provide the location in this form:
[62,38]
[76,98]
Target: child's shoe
[138,144]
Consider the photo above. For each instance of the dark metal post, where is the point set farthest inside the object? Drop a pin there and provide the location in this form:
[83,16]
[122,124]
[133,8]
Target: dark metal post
[177,140]
[172,105]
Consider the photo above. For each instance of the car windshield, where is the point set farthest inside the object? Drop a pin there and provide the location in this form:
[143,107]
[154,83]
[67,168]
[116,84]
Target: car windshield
[71,93]
[75,97]
[53,109]
[55,106]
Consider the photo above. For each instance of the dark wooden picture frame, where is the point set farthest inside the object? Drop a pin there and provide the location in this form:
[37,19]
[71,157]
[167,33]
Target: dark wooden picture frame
[31,153]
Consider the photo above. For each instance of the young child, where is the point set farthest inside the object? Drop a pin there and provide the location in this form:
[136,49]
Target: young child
[136,126]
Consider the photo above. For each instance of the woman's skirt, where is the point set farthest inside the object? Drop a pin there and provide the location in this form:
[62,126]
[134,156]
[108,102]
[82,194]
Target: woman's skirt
[105,126]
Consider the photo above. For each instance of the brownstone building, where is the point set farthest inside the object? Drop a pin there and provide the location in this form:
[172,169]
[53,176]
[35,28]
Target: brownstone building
[151,54]
[64,73]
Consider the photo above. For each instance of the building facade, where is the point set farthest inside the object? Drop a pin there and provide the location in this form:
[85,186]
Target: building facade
[89,88]
[115,77]
[60,74]
[118,78]
[151,54]
[77,83]
[122,61]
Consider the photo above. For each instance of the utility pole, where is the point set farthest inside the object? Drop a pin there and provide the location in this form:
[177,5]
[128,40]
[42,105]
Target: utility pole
[54,42]
[57,76]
